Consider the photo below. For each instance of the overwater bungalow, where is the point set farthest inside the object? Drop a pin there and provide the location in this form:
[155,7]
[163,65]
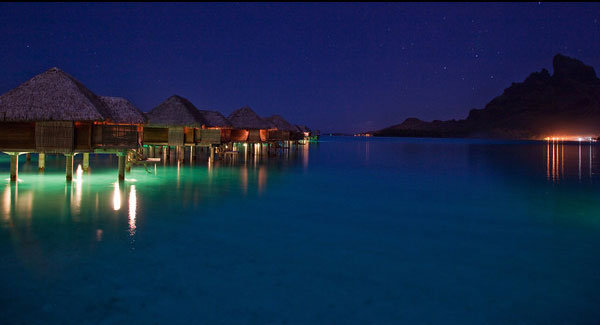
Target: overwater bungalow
[123,125]
[304,133]
[281,130]
[216,131]
[248,126]
[174,123]
[55,113]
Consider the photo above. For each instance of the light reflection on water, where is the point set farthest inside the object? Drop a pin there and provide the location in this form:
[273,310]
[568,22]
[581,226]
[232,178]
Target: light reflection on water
[563,157]
[84,195]
[132,209]
[116,197]
[387,228]
[561,161]
[6,202]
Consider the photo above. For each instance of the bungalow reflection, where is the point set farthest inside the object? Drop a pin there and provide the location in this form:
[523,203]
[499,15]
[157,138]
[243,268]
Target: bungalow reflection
[305,148]
[15,203]
[31,202]
[95,198]
[253,177]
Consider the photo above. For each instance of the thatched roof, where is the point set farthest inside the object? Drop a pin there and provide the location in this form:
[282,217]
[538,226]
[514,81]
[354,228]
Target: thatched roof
[51,96]
[280,123]
[214,119]
[302,128]
[120,110]
[176,111]
[245,118]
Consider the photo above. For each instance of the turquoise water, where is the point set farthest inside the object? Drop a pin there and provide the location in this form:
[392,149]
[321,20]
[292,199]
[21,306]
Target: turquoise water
[349,230]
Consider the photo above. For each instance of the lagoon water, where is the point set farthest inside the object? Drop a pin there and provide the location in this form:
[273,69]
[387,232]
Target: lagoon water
[349,230]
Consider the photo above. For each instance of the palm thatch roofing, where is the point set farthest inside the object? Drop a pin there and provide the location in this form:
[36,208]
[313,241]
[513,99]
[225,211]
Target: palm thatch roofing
[176,111]
[53,95]
[246,118]
[280,123]
[121,110]
[214,119]
[302,128]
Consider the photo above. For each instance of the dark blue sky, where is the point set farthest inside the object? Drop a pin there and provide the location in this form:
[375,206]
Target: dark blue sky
[334,67]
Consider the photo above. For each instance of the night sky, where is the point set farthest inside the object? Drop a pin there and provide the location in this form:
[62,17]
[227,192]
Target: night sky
[333,67]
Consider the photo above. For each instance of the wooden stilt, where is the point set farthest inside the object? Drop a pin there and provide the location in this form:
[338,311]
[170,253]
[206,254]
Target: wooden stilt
[28,157]
[14,166]
[191,154]
[69,167]
[86,161]
[128,157]
[41,161]
[151,151]
[121,156]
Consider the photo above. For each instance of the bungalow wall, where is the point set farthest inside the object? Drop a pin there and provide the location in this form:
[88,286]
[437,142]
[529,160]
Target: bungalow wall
[239,135]
[264,135]
[176,136]
[278,135]
[65,136]
[17,135]
[54,136]
[189,135]
[83,136]
[225,135]
[209,136]
[115,136]
[153,135]
[297,136]
[256,136]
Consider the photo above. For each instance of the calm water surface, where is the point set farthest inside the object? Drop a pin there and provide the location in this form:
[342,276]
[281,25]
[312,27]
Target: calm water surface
[344,231]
